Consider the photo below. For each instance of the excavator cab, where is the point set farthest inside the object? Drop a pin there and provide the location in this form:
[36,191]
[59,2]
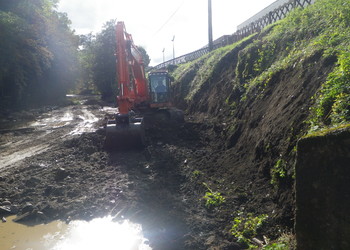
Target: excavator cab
[159,88]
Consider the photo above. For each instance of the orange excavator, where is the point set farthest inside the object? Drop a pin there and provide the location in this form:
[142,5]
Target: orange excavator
[138,97]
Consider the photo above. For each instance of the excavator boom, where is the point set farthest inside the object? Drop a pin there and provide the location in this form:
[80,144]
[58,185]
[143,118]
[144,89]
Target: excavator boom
[137,98]
[127,130]
[130,72]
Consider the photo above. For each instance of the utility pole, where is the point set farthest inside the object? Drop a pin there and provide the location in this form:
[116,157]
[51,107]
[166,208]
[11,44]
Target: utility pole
[173,40]
[163,55]
[210,27]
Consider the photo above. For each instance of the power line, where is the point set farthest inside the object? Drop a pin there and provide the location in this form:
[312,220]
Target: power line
[172,15]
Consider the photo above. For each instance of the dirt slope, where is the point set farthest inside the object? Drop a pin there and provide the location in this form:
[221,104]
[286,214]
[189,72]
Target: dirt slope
[251,102]
[247,142]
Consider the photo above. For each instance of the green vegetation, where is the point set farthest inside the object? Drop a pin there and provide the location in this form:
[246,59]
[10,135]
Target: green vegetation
[245,227]
[308,39]
[207,68]
[103,68]
[42,59]
[329,34]
[212,199]
[319,30]
[333,102]
[98,64]
[325,131]
[286,241]
[278,171]
[196,173]
[38,50]
[204,68]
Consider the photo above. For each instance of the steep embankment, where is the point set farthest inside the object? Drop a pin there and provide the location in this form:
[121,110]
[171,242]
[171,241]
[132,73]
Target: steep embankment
[253,100]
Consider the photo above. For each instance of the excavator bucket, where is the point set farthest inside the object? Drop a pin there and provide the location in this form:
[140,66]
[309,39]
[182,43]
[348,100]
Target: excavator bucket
[125,136]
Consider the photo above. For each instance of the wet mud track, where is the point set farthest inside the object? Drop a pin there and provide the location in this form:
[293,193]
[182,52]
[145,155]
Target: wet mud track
[53,166]
[42,130]
[61,171]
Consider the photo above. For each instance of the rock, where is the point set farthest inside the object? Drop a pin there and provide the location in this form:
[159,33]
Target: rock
[3,219]
[14,209]
[32,182]
[226,245]
[6,203]
[22,217]
[50,210]
[89,150]
[61,174]
[48,190]
[35,215]
[210,240]
[41,216]
[5,210]
[28,208]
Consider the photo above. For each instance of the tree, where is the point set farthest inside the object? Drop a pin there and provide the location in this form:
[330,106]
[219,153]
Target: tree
[98,58]
[104,65]
[38,52]
[86,62]
[145,56]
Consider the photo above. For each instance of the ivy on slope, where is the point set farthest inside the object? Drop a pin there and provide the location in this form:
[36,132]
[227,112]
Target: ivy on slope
[321,28]
[205,67]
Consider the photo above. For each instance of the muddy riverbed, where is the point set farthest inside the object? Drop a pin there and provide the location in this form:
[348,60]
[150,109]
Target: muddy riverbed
[54,167]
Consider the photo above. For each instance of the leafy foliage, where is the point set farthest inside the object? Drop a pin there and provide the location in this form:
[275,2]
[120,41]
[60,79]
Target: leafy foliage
[38,52]
[98,61]
[278,171]
[86,62]
[245,227]
[145,56]
[212,199]
[333,103]
[104,62]
[286,241]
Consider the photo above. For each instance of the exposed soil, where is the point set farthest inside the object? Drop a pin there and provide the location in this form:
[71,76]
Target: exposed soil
[54,165]
[52,169]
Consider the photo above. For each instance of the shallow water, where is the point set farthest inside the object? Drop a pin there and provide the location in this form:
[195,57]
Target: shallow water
[99,233]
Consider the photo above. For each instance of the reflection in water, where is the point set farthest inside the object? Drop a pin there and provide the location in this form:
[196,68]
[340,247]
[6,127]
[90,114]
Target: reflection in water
[100,233]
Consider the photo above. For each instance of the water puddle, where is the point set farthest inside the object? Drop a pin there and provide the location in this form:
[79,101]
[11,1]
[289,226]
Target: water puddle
[54,120]
[99,233]
[88,119]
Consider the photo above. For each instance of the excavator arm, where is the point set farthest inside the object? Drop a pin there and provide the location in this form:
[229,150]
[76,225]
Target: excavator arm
[126,130]
[137,96]
[131,77]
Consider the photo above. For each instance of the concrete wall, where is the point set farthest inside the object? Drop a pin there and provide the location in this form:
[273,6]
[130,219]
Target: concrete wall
[323,192]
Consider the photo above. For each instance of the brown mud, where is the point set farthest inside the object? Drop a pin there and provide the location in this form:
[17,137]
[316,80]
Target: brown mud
[49,171]
[162,186]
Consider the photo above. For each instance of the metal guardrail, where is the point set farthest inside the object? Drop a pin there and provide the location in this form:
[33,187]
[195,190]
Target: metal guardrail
[269,15]
[186,58]
[274,12]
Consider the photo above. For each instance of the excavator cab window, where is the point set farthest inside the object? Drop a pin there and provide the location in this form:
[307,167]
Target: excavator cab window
[159,87]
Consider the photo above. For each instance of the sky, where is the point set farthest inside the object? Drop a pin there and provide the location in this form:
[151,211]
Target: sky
[154,23]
